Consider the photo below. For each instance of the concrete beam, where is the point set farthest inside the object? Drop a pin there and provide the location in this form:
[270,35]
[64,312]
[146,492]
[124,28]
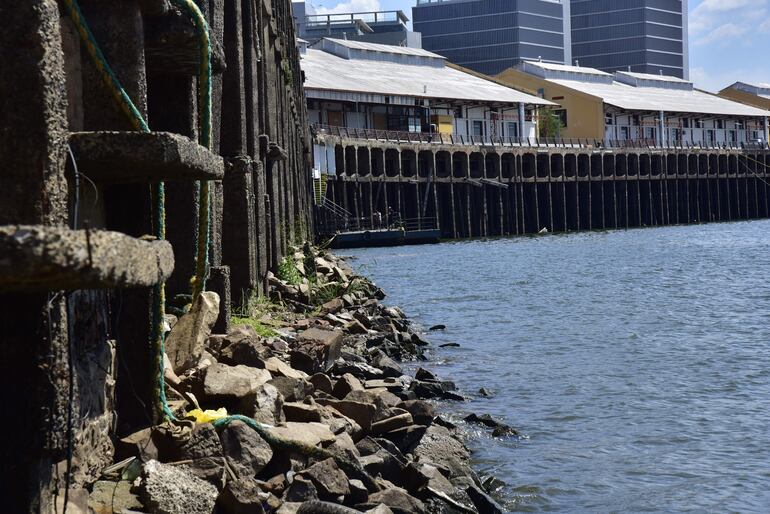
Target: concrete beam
[38,258]
[136,157]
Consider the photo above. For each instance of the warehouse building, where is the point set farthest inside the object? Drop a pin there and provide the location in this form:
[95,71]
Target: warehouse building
[638,108]
[757,94]
[360,85]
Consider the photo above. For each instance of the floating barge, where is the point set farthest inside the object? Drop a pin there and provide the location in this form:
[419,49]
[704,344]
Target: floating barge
[385,237]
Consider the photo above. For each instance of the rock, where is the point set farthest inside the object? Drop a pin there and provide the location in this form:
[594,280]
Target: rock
[392,423]
[424,374]
[500,429]
[380,509]
[301,490]
[289,508]
[407,437]
[322,382]
[355,327]
[265,405]
[422,412]
[78,502]
[170,489]
[301,412]
[185,342]
[438,447]
[344,446]
[394,312]
[328,479]
[451,395]
[204,451]
[418,341]
[139,444]
[449,345]
[483,502]
[484,392]
[249,351]
[223,382]
[245,451]
[292,389]
[308,433]
[398,500]
[357,369]
[345,385]
[108,497]
[278,368]
[332,306]
[240,496]
[358,492]
[361,413]
[389,367]
[437,327]
[322,346]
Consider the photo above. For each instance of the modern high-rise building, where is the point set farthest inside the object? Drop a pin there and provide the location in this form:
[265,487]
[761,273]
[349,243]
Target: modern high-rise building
[383,27]
[490,36]
[645,36]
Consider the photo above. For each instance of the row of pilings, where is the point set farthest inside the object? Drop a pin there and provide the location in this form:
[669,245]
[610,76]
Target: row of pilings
[500,191]
[79,361]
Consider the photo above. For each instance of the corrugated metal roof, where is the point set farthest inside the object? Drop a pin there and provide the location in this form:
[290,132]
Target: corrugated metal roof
[327,72]
[660,99]
[390,49]
[652,76]
[566,68]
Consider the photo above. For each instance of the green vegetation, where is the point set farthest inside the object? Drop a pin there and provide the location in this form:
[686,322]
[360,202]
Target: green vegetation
[256,309]
[288,271]
[550,124]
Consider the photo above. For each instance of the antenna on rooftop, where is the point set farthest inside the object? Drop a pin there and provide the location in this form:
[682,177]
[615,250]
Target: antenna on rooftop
[629,68]
[345,36]
[539,58]
[424,89]
[577,63]
[661,72]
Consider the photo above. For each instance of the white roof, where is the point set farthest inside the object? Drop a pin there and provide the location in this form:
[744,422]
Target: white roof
[566,68]
[652,76]
[390,49]
[760,89]
[661,99]
[327,72]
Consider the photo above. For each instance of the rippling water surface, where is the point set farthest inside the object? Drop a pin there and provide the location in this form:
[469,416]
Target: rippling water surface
[636,362]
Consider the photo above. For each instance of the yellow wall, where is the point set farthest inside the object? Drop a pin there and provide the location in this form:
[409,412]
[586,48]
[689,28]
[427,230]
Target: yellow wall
[444,124]
[585,113]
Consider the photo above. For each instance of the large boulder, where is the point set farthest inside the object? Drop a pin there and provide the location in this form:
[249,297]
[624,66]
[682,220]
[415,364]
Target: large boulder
[168,489]
[241,496]
[398,500]
[328,479]
[245,451]
[361,413]
[225,383]
[312,434]
[322,347]
[265,405]
[186,341]
[203,450]
[437,446]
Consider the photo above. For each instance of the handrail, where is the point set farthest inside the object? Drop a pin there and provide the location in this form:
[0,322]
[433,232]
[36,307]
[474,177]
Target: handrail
[396,136]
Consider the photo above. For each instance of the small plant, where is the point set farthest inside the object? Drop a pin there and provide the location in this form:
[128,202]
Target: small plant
[288,272]
[259,327]
[550,124]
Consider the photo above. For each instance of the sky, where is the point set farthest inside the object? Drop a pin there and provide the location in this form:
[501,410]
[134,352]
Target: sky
[729,39]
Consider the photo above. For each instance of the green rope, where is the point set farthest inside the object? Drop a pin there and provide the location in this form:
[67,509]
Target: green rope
[198,282]
[157,190]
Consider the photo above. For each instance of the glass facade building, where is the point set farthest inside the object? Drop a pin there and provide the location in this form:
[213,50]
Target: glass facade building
[490,36]
[646,36]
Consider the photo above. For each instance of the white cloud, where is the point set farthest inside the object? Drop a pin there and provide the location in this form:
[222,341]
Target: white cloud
[724,34]
[349,6]
[712,15]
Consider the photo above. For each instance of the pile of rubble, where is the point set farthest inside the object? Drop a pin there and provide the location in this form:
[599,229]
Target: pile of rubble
[343,429]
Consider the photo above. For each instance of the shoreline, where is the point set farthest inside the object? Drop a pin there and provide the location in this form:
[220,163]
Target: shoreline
[302,407]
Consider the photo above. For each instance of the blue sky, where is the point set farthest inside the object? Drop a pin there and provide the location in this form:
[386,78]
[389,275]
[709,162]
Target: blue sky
[729,39]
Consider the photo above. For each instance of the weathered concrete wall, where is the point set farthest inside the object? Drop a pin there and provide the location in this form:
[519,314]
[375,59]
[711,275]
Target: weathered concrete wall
[78,367]
[492,191]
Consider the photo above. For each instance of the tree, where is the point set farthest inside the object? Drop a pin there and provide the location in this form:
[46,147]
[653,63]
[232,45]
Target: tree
[550,124]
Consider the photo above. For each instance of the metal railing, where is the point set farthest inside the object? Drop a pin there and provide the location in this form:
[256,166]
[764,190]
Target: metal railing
[397,136]
[330,223]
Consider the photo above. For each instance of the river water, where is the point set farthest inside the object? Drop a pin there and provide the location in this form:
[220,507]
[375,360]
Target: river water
[637,363]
